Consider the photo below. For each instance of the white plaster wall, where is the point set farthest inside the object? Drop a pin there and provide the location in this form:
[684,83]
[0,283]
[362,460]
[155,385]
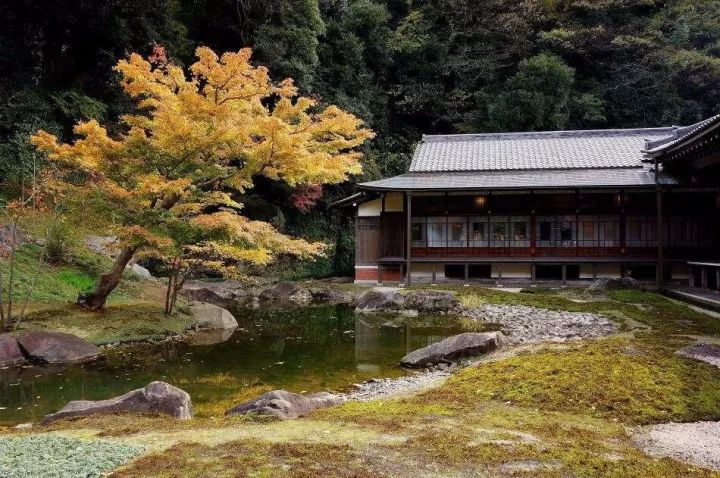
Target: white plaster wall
[370,208]
[425,271]
[586,271]
[394,202]
[680,272]
[608,270]
[512,271]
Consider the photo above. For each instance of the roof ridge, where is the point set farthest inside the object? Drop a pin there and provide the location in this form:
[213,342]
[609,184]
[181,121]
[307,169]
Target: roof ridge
[428,138]
[549,169]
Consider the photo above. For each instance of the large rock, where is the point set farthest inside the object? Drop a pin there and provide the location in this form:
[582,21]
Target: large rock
[9,236]
[106,245]
[455,347]
[323,295]
[381,301]
[140,271]
[286,293]
[285,405]
[10,353]
[224,294]
[431,301]
[155,398]
[209,316]
[56,347]
[606,283]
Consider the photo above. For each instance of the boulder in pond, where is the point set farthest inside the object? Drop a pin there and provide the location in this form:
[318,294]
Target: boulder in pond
[209,316]
[155,398]
[431,301]
[10,353]
[285,405]
[604,284]
[56,347]
[331,296]
[452,348]
[224,294]
[286,293]
[380,301]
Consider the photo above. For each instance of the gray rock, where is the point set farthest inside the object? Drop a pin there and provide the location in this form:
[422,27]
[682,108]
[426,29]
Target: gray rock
[102,244]
[155,398]
[332,296]
[209,316]
[140,271]
[286,293]
[380,301]
[455,347]
[431,301]
[606,283]
[7,238]
[224,294]
[56,347]
[285,405]
[10,353]
[703,352]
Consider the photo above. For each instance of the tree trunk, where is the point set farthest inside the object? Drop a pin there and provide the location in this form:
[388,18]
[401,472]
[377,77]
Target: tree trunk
[107,282]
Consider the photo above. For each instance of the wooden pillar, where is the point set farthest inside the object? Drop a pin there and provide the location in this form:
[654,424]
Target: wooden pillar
[717,278]
[467,272]
[623,222]
[434,274]
[499,279]
[660,259]
[691,277]
[408,246]
[703,277]
[564,274]
[594,270]
[533,272]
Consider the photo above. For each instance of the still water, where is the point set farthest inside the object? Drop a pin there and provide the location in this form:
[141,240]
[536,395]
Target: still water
[308,349]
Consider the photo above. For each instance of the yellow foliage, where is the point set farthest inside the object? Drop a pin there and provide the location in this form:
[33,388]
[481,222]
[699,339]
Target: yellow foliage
[199,138]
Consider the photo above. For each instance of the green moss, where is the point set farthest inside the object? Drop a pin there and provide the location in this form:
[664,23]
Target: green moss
[631,381]
[122,322]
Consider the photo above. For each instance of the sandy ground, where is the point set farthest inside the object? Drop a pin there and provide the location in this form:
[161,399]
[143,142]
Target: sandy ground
[697,443]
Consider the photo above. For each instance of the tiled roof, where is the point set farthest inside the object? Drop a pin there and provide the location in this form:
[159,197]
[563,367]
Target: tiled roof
[533,151]
[680,135]
[537,179]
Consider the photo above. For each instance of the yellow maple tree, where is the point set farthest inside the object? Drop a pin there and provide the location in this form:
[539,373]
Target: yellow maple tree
[169,179]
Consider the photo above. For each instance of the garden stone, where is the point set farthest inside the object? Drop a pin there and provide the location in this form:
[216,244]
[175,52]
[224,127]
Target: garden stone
[380,301]
[286,293]
[223,294]
[155,398]
[455,347]
[331,296]
[285,405]
[431,301]
[605,283]
[704,352]
[105,245]
[10,353]
[139,270]
[209,316]
[56,347]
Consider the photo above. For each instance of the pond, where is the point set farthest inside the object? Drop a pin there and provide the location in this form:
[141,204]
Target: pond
[307,349]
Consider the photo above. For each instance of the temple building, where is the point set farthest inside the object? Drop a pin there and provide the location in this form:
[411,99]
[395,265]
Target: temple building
[560,205]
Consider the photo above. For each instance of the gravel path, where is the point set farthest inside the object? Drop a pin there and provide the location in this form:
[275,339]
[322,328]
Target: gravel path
[396,387]
[523,324]
[697,443]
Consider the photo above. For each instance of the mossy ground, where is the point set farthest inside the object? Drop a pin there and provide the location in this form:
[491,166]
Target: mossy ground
[134,310]
[557,410]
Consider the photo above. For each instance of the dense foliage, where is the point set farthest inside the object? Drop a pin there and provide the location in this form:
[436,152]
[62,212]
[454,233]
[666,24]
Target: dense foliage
[406,67]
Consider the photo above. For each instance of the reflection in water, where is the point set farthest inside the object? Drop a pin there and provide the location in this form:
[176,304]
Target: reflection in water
[311,349]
